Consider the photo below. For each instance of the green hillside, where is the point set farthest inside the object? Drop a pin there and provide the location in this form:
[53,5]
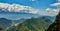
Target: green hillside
[33,24]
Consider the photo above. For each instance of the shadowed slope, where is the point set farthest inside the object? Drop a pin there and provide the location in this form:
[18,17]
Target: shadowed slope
[56,25]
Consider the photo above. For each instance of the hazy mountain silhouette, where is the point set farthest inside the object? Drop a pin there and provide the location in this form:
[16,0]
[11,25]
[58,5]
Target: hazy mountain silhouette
[4,23]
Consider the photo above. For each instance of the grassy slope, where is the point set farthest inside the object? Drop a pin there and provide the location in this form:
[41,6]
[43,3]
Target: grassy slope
[33,24]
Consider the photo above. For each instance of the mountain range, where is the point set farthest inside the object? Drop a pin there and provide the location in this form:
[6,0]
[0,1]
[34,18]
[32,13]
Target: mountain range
[17,15]
[41,22]
[21,21]
[33,24]
[5,23]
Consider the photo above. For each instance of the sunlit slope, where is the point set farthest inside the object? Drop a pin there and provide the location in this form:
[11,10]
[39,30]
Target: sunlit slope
[33,24]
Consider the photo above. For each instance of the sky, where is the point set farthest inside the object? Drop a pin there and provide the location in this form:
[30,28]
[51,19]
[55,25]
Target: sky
[39,4]
[40,7]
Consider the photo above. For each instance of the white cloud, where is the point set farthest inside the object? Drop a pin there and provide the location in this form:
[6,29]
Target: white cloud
[17,8]
[13,7]
[54,11]
[58,0]
[56,4]
[49,11]
[26,9]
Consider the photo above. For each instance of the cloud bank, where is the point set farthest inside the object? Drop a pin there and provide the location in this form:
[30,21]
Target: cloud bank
[58,0]
[57,4]
[13,7]
[26,9]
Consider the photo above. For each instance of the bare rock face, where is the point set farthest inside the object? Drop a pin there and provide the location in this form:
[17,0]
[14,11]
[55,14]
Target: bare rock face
[56,25]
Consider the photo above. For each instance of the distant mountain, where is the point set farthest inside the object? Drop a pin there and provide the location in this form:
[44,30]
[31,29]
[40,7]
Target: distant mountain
[17,15]
[33,24]
[4,23]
